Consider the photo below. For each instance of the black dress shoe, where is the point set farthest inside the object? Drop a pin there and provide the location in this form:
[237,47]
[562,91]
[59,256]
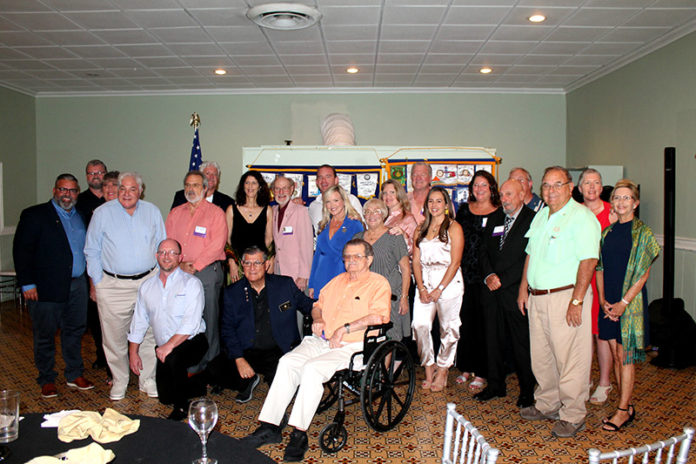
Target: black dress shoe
[525,401]
[264,435]
[488,394]
[297,446]
[178,414]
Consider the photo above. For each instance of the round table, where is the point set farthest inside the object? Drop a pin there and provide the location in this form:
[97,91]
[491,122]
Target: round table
[156,441]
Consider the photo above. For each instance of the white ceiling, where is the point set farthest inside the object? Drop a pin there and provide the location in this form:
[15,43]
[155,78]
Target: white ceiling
[52,47]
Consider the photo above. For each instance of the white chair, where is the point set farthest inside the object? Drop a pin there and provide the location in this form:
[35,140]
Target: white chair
[670,444]
[465,444]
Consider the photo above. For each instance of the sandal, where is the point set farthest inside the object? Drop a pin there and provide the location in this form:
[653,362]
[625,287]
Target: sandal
[463,378]
[477,384]
[609,426]
[600,394]
[440,380]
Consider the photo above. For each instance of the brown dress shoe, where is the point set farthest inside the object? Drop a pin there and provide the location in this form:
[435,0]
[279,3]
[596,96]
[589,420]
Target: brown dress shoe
[81,384]
[49,390]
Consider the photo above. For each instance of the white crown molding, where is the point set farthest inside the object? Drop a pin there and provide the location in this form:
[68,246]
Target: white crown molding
[680,243]
[304,90]
[664,40]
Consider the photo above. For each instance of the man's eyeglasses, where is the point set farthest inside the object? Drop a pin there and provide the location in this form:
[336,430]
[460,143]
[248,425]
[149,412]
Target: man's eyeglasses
[168,253]
[96,173]
[556,187]
[67,190]
[351,258]
[252,263]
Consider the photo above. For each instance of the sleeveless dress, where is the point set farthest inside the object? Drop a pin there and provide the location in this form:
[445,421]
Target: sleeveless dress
[435,258]
[245,234]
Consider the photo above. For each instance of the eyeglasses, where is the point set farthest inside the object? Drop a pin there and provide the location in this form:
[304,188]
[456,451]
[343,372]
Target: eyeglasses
[351,258]
[622,198]
[557,186]
[168,253]
[252,263]
[369,212]
[96,173]
[67,190]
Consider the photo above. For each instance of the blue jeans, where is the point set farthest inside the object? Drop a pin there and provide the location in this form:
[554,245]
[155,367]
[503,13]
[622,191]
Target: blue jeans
[71,318]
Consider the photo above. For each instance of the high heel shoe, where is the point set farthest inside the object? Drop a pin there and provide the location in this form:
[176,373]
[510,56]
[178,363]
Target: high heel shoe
[631,414]
[610,426]
[440,380]
[429,373]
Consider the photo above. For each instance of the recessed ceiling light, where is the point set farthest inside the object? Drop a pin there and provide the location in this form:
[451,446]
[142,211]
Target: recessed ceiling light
[537,18]
[284,16]
[220,72]
[352,70]
[485,70]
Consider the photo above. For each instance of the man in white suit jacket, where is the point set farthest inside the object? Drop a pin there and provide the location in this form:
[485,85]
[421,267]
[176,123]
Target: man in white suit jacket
[292,234]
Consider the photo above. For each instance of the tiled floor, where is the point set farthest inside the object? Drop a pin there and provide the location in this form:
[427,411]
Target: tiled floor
[665,403]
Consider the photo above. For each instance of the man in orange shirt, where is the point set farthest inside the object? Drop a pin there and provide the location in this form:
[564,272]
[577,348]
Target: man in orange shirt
[347,305]
[200,227]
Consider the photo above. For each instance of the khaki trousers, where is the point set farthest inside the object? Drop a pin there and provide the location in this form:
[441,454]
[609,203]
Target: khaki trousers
[116,303]
[561,354]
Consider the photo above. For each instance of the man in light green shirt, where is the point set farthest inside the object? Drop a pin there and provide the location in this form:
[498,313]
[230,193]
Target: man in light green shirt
[562,253]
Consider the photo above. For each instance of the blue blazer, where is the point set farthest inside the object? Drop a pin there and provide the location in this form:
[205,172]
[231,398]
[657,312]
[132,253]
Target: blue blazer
[284,299]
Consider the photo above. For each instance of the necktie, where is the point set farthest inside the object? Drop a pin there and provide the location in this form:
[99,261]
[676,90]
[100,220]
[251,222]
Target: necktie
[508,223]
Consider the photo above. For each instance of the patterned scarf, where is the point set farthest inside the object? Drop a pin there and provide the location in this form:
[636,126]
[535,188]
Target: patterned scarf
[644,250]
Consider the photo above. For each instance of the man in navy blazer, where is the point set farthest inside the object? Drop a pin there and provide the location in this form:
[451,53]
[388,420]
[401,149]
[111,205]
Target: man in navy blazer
[50,264]
[259,322]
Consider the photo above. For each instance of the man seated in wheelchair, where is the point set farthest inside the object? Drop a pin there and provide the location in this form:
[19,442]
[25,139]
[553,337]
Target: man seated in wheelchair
[347,305]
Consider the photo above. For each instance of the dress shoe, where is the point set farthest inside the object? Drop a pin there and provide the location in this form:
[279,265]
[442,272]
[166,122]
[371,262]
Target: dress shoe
[49,390]
[488,394]
[150,387]
[178,414]
[264,435]
[565,429]
[297,446]
[525,401]
[533,414]
[81,384]
[247,394]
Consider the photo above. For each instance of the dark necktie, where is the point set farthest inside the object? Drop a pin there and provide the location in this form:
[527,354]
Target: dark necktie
[508,223]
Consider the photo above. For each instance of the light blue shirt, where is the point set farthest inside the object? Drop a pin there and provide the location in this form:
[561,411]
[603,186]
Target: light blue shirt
[176,308]
[121,243]
[75,230]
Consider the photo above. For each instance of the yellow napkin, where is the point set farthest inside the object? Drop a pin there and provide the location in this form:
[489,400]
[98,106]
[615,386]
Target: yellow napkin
[111,427]
[90,454]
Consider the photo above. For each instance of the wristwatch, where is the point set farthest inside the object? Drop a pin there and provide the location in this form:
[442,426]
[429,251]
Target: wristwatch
[347,327]
[441,287]
[576,302]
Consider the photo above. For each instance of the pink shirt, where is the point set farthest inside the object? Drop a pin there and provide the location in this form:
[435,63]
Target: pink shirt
[417,211]
[202,235]
[407,224]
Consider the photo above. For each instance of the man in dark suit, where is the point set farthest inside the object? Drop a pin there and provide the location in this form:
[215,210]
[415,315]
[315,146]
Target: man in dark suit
[502,256]
[259,323]
[211,170]
[50,264]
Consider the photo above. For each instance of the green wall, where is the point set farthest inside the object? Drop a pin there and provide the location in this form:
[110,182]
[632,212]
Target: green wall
[17,153]
[151,134]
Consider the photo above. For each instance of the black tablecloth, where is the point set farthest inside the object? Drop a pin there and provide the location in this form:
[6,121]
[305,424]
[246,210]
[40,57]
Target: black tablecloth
[156,441]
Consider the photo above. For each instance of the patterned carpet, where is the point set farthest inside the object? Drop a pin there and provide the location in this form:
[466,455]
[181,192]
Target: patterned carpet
[665,403]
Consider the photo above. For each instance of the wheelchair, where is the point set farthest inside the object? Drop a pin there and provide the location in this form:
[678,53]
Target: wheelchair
[384,387]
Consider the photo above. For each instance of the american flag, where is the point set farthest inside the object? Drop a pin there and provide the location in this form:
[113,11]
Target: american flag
[196,155]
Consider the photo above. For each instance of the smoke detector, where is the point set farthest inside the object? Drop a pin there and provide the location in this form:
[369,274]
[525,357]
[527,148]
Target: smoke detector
[284,16]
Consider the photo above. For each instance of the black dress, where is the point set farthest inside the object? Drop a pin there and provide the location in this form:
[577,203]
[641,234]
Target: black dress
[471,350]
[246,234]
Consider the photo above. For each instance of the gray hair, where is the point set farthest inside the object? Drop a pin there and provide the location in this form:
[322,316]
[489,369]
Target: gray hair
[379,204]
[66,176]
[199,174]
[253,249]
[281,176]
[526,173]
[138,178]
[96,162]
[206,164]
[422,163]
[589,171]
[565,172]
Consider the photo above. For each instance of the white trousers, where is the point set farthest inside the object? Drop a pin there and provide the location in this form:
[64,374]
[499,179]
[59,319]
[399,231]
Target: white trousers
[116,303]
[447,310]
[308,366]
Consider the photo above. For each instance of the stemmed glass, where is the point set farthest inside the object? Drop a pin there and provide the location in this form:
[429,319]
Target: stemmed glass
[203,415]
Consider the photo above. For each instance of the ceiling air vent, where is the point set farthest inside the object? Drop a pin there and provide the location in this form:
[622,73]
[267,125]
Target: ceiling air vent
[284,16]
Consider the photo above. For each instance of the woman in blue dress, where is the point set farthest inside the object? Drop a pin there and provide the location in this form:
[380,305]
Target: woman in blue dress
[339,223]
[628,249]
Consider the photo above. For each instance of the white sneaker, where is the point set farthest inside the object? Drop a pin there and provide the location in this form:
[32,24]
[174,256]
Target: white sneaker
[117,393]
[150,387]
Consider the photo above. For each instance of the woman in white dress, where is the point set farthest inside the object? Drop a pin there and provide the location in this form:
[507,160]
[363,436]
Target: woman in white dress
[439,286]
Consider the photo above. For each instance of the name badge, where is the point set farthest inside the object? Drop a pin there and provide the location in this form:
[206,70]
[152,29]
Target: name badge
[498,231]
[200,231]
[484,221]
[287,230]
[284,306]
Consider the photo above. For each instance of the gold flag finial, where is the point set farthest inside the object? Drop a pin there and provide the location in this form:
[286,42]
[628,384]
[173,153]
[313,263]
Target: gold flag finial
[195,120]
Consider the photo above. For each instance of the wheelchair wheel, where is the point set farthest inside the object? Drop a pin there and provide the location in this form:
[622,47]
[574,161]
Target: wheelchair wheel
[333,438]
[388,384]
[330,395]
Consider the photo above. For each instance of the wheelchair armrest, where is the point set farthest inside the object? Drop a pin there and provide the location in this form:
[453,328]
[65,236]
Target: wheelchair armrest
[381,328]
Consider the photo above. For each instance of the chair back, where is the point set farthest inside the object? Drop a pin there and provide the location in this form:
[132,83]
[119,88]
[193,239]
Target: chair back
[463,442]
[644,452]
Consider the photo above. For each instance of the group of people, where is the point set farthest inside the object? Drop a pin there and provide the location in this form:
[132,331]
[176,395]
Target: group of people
[508,276]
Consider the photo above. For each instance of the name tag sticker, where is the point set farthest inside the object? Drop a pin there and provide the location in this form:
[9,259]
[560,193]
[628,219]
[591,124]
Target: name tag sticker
[200,231]
[287,230]
[484,221]
[498,231]
[284,306]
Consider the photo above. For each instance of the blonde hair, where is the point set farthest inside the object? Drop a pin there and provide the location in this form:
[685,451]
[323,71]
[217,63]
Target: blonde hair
[350,211]
[379,204]
[629,184]
[401,195]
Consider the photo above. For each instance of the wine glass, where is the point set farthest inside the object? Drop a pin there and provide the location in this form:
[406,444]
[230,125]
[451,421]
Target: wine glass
[203,415]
